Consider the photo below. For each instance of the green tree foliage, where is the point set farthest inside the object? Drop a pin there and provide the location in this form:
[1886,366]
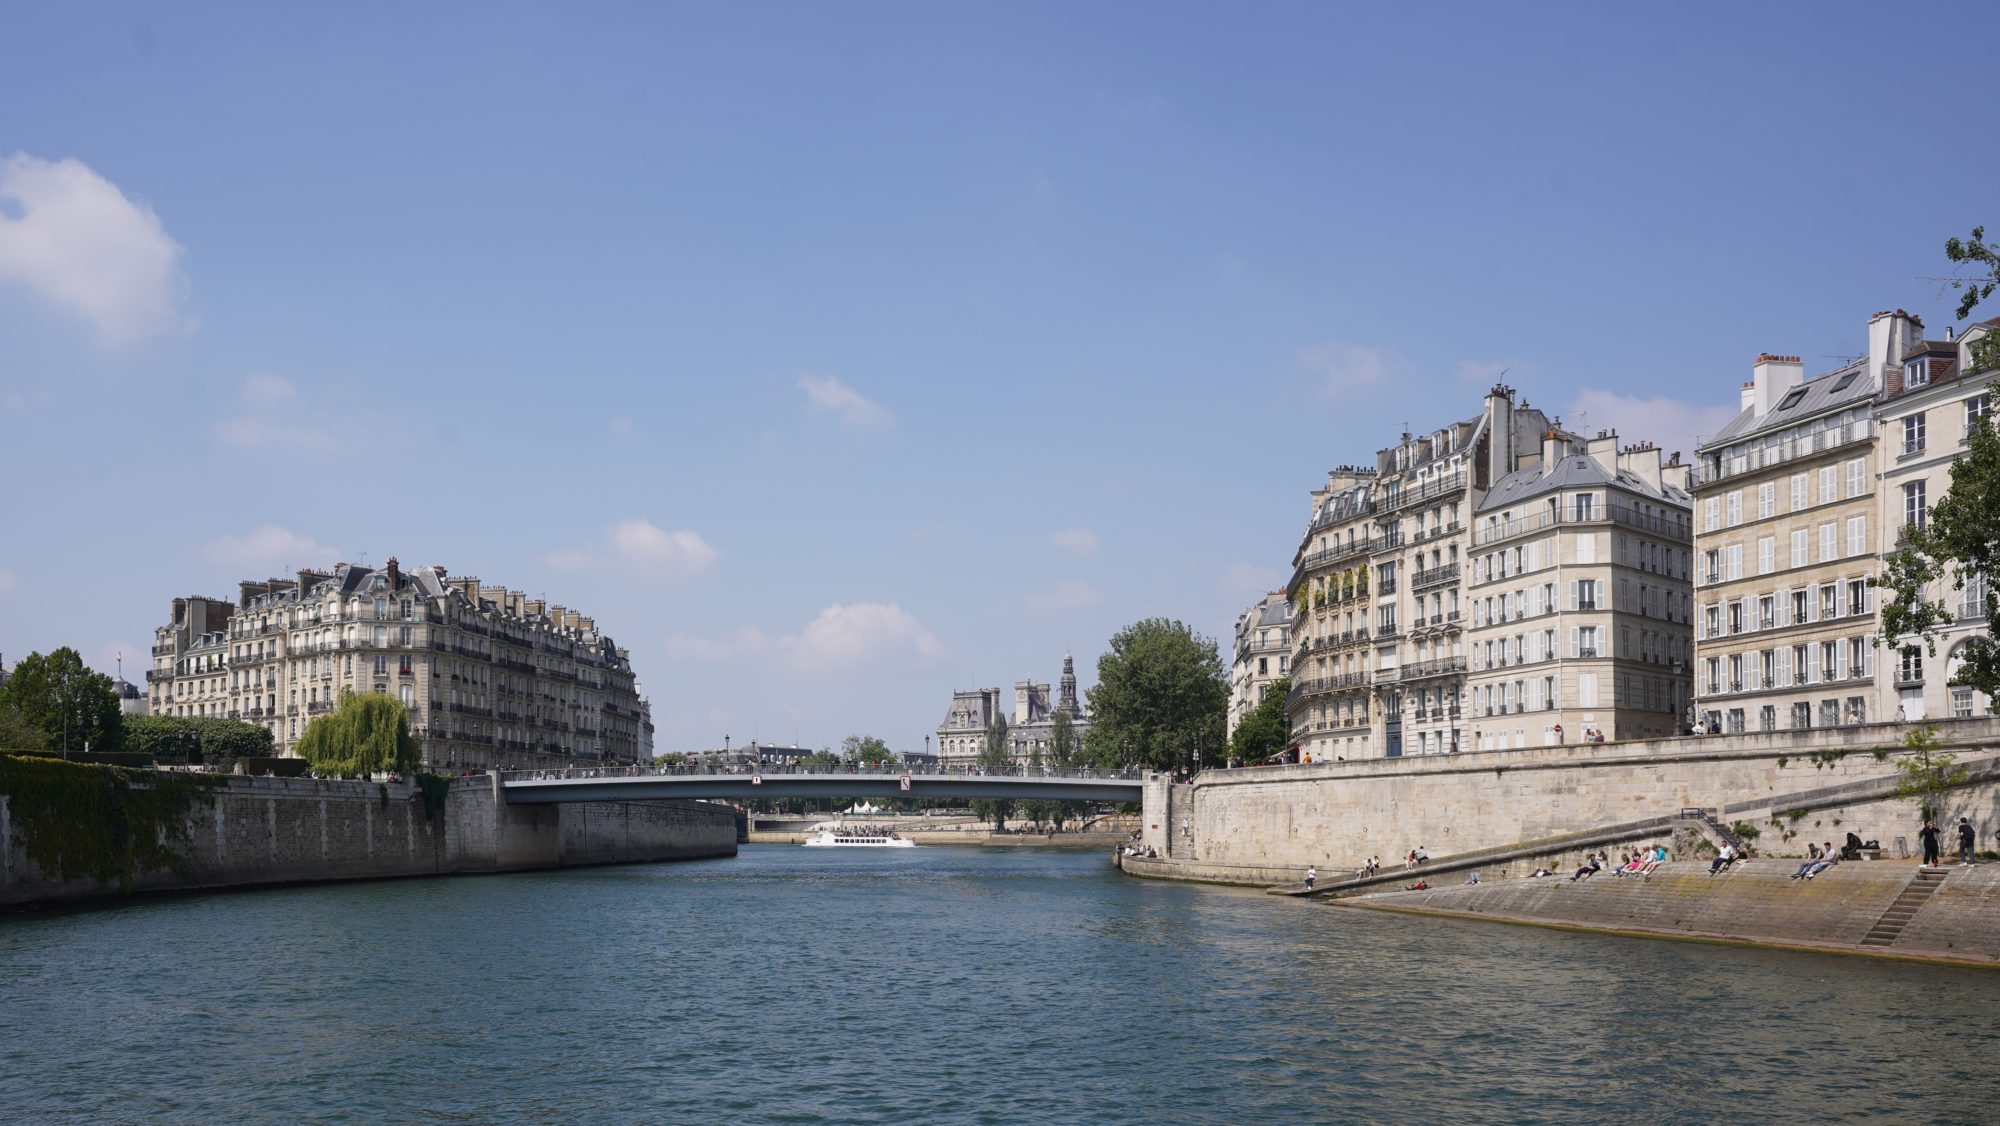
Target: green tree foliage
[995,755]
[174,738]
[1161,694]
[1962,535]
[1063,743]
[368,733]
[1267,729]
[1985,257]
[866,749]
[1929,772]
[71,705]
[16,733]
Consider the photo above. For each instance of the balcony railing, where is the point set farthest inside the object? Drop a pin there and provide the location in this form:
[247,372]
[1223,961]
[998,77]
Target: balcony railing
[1448,573]
[1430,490]
[1446,666]
[1715,467]
[1670,527]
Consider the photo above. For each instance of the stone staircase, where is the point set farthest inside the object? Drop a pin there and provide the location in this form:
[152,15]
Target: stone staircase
[1918,892]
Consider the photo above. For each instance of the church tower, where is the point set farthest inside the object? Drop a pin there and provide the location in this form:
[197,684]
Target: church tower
[1066,700]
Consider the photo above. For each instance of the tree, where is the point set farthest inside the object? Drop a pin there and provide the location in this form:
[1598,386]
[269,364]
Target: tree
[1063,745]
[1929,772]
[367,733]
[72,706]
[866,749]
[16,733]
[220,742]
[1960,541]
[1978,252]
[1267,729]
[996,756]
[1162,697]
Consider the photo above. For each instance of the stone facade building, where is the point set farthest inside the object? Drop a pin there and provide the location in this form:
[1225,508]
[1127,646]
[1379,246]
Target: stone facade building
[1580,597]
[962,735]
[1384,578]
[1926,411]
[491,677]
[1263,654]
[1788,539]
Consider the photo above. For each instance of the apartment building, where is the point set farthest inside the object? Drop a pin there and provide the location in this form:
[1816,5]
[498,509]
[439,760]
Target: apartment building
[1377,588]
[1263,654]
[1580,599]
[1787,541]
[491,677]
[1926,411]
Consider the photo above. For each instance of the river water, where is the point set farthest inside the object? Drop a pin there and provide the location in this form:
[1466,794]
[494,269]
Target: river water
[944,985]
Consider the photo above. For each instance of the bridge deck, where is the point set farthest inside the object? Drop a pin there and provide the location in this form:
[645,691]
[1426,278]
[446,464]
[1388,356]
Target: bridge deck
[650,787]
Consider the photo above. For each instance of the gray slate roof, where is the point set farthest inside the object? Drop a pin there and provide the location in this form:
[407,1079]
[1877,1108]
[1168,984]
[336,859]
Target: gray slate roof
[1574,471]
[1819,398]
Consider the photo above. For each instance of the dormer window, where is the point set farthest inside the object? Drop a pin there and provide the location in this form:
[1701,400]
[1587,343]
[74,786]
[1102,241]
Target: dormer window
[1917,372]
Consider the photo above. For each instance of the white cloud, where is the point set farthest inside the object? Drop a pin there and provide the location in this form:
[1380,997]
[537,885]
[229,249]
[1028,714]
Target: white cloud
[850,406]
[269,549]
[842,635]
[1070,594]
[266,423]
[1077,540]
[1670,424]
[641,547]
[1244,583]
[70,236]
[267,391]
[8,581]
[1344,367]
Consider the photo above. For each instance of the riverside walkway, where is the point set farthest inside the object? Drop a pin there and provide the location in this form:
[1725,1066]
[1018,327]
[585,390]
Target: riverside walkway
[544,787]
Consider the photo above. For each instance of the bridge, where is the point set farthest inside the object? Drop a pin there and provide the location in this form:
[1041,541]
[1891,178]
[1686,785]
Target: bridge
[548,787]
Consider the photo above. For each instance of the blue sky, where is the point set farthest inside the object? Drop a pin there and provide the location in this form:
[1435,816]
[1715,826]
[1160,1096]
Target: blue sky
[838,356]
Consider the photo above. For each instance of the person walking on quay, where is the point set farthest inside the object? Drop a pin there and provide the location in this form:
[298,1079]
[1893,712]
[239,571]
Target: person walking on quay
[1966,837]
[1312,876]
[1929,835]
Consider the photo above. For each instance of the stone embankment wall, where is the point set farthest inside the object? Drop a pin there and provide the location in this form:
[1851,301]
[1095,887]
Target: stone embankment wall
[1758,903]
[1337,814]
[293,830]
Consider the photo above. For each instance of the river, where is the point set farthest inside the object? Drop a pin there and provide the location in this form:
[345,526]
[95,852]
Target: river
[940,985]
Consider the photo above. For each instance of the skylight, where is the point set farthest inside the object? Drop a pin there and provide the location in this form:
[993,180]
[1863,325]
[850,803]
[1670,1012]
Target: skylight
[1792,398]
[1845,380]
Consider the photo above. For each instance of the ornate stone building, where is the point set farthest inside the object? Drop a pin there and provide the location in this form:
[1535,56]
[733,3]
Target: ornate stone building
[490,676]
[1926,412]
[1382,581]
[1580,597]
[1787,540]
[1263,654]
[962,735]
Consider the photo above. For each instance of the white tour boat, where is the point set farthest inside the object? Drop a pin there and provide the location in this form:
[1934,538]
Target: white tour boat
[857,838]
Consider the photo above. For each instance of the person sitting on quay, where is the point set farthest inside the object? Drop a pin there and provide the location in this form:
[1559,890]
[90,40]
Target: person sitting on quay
[1592,865]
[1539,873]
[1409,860]
[1812,858]
[1659,858]
[1827,859]
[1727,857]
[1418,886]
[1423,855]
[1633,863]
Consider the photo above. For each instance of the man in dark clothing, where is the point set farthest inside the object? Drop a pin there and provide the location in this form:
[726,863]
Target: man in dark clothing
[1929,835]
[1966,837]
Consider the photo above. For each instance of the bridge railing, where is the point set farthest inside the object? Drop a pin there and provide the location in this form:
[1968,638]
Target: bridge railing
[770,769]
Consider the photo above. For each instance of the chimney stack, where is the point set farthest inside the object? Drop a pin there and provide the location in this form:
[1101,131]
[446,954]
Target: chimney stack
[1770,377]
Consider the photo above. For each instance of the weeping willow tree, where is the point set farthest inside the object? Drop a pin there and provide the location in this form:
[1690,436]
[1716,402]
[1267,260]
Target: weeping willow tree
[368,733]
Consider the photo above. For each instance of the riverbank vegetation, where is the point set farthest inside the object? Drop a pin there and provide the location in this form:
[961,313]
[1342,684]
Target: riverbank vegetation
[368,733]
[103,823]
[56,702]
